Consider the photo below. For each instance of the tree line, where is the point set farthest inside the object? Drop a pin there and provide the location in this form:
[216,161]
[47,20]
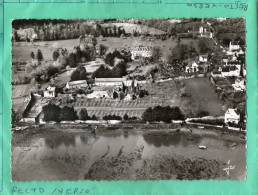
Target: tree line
[55,113]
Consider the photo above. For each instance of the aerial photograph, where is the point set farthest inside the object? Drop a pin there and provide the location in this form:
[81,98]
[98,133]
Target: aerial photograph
[128,99]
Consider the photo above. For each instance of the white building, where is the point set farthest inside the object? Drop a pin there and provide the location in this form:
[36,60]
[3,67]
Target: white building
[50,92]
[109,81]
[231,116]
[98,94]
[193,67]
[205,32]
[141,51]
[76,84]
[228,71]
[233,46]
[203,58]
[239,85]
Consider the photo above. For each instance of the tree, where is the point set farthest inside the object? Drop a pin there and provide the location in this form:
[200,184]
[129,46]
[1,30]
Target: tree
[102,72]
[72,60]
[79,74]
[51,112]
[94,117]
[102,49]
[165,114]
[39,55]
[32,55]
[67,114]
[156,54]
[119,70]
[51,71]
[203,46]
[83,114]
[55,55]
[15,116]
[126,117]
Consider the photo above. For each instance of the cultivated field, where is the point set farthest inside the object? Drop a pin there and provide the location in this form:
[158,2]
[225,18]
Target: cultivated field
[201,98]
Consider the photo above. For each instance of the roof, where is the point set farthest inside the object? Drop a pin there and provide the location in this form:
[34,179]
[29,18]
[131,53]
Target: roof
[79,82]
[232,112]
[51,88]
[141,48]
[110,79]
[225,69]
[216,72]
[234,42]
[203,55]
[233,68]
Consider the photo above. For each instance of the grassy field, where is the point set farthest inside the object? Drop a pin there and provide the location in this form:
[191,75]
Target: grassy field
[203,97]
[21,50]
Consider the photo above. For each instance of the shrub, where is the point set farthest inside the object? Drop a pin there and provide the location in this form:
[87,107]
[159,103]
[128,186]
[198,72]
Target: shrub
[79,74]
[67,114]
[39,55]
[209,121]
[83,114]
[126,117]
[51,71]
[94,117]
[203,113]
[165,114]
[112,117]
[51,112]
[55,55]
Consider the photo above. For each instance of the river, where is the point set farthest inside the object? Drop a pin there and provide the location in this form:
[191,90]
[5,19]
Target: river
[54,154]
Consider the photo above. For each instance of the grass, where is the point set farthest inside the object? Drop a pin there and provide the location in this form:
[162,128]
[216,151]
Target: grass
[203,96]
[21,50]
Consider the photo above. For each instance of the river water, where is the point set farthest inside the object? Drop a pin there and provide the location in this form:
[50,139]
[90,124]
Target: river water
[68,154]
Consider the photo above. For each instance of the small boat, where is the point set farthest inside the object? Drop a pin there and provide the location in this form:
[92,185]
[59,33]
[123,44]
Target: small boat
[202,147]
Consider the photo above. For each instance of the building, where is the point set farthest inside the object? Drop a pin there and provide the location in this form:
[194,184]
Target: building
[203,58]
[141,52]
[229,71]
[50,92]
[234,46]
[231,116]
[239,85]
[98,94]
[205,32]
[109,81]
[76,84]
[192,67]
[216,73]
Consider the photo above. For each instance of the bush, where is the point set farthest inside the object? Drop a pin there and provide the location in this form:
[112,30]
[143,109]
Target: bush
[165,114]
[51,112]
[67,114]
[203,113]
[209,121]
[126,117]
[104,72]
[79,74]
[83,114]
[55,55]
[72,60]
[51,71]
[112,117]
[39,55]
[94,117]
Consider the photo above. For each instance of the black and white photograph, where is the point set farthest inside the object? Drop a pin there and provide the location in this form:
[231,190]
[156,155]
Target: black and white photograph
[128,99]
